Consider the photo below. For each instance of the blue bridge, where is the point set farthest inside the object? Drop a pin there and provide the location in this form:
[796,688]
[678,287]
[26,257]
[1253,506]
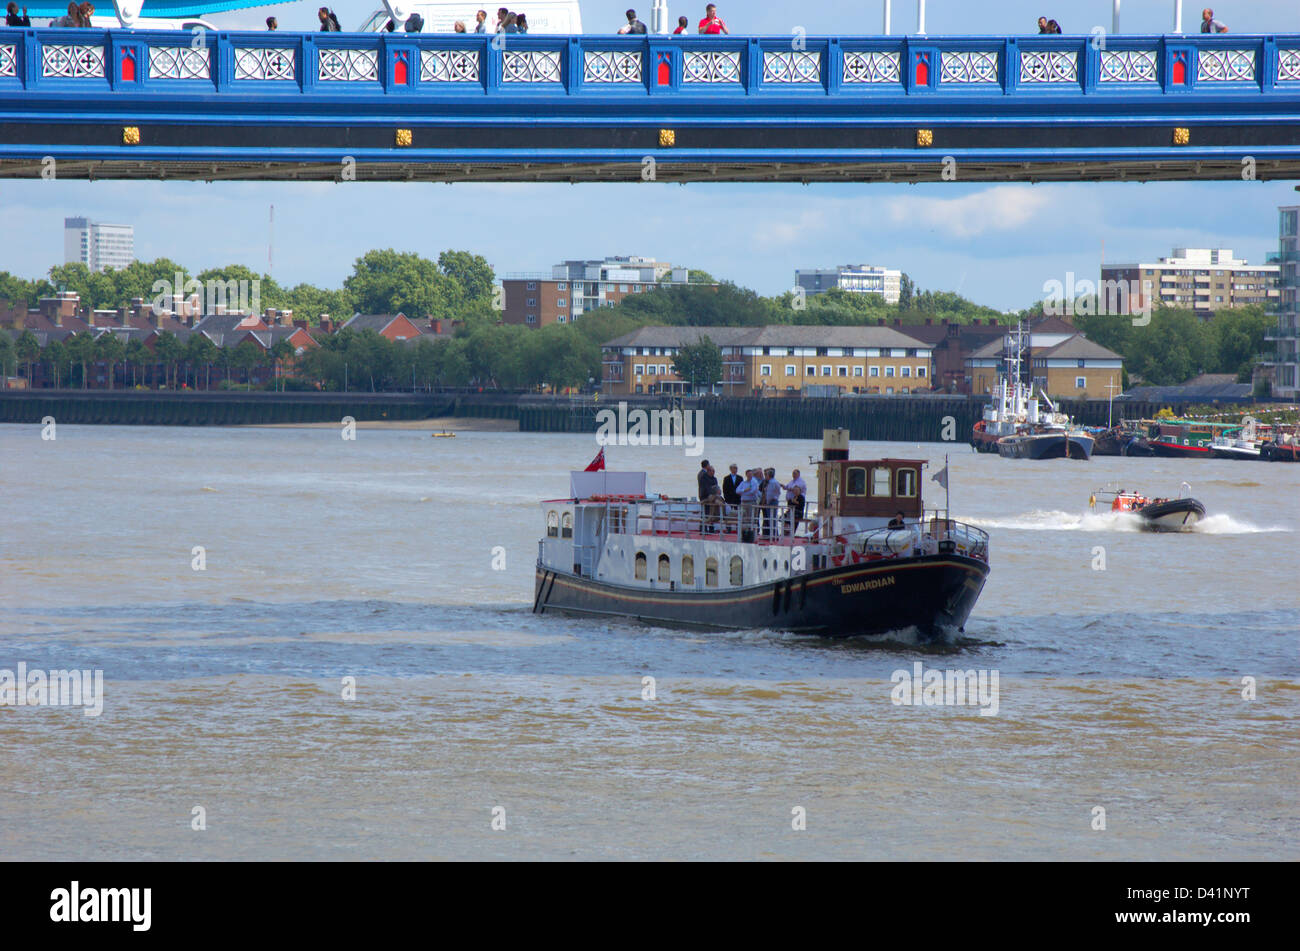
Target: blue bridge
[447,107]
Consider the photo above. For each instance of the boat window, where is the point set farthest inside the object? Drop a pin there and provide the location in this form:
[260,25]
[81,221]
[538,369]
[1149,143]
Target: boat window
[640,566]
[688,569]
[737,570]
[880,482]
[857,482]
[566,527]
[552,524]
[905,483]
[665,569]
[835,481]
[711,573]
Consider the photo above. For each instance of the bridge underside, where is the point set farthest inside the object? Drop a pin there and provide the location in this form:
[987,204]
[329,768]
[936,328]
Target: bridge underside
[931,170]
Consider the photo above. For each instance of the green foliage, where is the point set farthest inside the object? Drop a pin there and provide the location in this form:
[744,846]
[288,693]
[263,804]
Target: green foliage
[388,282]
[699,362]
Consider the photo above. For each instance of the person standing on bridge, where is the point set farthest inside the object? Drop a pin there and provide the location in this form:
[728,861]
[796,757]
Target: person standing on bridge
[84,13]
[712,23]
[683,25]
[502,13]
[329,23]
[1209,24]
[633,25]
[71,19]
[13,19]
[521,23]
[272,24]
[480,22]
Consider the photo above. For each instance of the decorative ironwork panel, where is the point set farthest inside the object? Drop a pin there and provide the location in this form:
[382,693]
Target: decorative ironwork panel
[1288,65]
[1128,66]
[179,62]
[448,66]
[968,68]
[8,61]
[348,66]
[611,66]
[259,63]
[1223,66]
[794,66]
[530,66]
[713,67]
[73,62]
[874,67]
[1049,66]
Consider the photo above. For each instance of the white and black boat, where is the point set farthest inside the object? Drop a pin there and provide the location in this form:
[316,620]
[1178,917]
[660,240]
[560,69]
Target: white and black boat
[1244,443]
[1156,515]
[1014,426]
[841,570]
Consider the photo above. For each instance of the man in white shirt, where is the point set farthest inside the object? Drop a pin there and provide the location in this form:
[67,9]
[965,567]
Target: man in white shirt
[796,497]
[771,503]
[749,501]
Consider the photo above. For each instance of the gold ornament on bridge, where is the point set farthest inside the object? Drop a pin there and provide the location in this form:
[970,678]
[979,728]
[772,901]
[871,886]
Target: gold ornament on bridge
[667,138]
[131,135]
[1182,135]
[924,138]
[403,138]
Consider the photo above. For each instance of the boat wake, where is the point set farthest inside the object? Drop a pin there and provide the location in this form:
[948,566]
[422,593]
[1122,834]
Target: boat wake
[1058,521]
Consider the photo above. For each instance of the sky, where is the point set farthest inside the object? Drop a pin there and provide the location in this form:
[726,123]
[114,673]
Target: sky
[996,244]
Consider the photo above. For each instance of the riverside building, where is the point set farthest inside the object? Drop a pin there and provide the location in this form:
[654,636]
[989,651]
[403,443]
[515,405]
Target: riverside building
[1199,279]
[574,288]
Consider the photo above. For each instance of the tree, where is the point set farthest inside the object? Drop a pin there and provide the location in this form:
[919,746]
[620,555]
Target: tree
[7,357]
[201,352]
[81,349]
[168,350]
[27,348]
[56,357]
[906,290]
[111,350]
[471,271]
[699,362]
[281,351]
[389,282]
[137,355]
[246,357]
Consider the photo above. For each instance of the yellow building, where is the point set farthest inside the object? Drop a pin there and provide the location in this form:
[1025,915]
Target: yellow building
[1064,365]
[775,360]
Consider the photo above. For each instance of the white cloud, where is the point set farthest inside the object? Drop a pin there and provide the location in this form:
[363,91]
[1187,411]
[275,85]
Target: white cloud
[1000,208]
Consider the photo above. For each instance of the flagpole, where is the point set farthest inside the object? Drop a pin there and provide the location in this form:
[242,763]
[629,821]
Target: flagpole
[947,495]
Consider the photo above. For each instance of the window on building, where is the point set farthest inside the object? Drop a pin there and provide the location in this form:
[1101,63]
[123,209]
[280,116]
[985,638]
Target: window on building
[843,371]
[531,318]
[873,371]
[688,569]
[532,285]
[532,302]
[789,369]
[905,483]
[889,389]
[765,370]
[663,368]
[920,371]
[561,286]
[640,569]
[711,573]
[880,482]
[737,571]
[857,371]
[826,371]
[907,371]
[639,368]
[622,288]
[1080,382]
[561,302]
[889,371]
[810,371]
[636,288]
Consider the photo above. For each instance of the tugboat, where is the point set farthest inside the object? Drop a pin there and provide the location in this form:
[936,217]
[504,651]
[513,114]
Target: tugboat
[1013,426]
[866,559]
[1157,515]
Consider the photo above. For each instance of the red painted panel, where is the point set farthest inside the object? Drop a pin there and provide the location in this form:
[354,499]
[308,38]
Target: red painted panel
[665,73]
[1180,71]
[128,67]
[922,72]
[399,71]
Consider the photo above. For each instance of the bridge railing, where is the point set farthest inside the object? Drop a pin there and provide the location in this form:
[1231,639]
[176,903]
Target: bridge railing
[60,61]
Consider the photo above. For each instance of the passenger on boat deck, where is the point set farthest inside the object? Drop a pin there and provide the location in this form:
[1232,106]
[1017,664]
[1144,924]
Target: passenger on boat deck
[771,503]
[701,477]
[713,508]
[796,496]
[749,498]
[897,521]
[708,483]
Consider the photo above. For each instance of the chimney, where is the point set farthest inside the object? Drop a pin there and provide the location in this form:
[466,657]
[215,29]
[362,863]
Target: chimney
[300,323]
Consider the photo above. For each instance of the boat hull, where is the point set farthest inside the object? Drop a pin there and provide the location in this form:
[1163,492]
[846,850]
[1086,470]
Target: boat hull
[1234,452]
[1176,515]
[1271,452]
[1175,451]
[934,594]
[1046,446]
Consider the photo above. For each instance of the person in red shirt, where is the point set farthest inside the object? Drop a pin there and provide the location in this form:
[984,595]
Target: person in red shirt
[682,24]
[712,23]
